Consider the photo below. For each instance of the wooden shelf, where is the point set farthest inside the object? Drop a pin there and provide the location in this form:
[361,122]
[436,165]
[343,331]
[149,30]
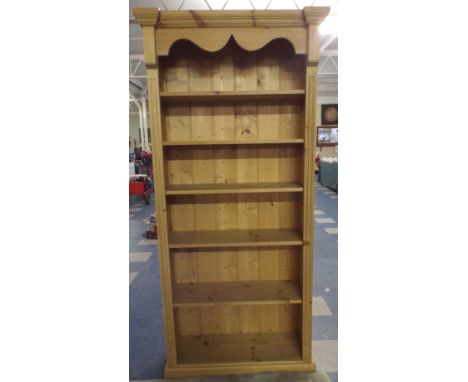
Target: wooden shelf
[238,348]
[236,142]
[237,293]
[221,96]
[327,144]
[234,238]
[231,188]
[327,126]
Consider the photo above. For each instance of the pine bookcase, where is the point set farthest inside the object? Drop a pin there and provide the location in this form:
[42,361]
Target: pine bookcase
[232,110]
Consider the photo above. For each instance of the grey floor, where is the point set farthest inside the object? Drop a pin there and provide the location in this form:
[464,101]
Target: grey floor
[147,353]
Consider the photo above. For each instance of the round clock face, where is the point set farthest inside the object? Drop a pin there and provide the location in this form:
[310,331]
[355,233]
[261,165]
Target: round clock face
[331,114]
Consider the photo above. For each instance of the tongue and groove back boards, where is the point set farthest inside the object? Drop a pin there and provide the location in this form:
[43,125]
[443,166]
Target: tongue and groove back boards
[234,154]
[234,69]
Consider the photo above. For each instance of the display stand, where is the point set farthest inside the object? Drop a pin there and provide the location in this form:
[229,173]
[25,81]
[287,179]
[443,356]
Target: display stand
[232,106]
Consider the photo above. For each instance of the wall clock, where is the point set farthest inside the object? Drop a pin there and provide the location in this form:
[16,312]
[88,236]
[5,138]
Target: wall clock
[330,114]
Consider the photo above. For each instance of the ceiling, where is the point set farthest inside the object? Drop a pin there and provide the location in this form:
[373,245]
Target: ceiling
[328,67]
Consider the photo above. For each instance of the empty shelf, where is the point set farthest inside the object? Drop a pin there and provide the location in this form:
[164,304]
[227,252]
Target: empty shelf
[237,293]
[229,348]
[232,95]
[234,238]
[231,188]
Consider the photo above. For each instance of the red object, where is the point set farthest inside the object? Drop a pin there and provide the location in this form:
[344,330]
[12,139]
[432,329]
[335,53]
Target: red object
[146,155]
[141,187]
[317,161]
[137,188]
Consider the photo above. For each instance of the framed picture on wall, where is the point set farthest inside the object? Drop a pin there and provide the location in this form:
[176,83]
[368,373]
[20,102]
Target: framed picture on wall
[327,135]
[330,114]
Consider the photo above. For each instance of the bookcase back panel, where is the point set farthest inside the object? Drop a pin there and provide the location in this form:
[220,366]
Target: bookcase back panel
[231,164]
[235,264]
[274,67]
[236,121]
[231,319]
[235,211]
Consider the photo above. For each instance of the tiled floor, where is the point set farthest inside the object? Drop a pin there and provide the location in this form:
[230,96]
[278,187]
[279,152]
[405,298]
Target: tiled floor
[146,242]
[139,257]
[320,307]
[325,327]
[132,276]
[147,354]
[324,220]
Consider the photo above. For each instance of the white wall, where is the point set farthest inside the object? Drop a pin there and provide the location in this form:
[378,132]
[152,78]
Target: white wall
[134,128]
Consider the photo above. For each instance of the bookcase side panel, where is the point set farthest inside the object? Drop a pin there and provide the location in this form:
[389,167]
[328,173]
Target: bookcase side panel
[162,218]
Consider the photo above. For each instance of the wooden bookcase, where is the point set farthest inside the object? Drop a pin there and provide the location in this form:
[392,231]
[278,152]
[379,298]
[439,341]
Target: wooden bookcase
[232,109]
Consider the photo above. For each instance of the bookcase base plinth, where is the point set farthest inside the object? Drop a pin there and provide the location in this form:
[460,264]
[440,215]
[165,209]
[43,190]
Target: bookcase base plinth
[247,368]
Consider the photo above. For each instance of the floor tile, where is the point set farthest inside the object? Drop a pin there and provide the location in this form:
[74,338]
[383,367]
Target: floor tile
[320,307]
[135,209]
[130,216]
[319,212]
[324,220]
[139,257]
[148,242]
[132,276]
[324,328]
[333,196]
[325,353]
[331,230]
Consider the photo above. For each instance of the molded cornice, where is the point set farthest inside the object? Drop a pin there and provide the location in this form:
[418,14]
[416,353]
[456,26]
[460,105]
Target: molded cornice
[231,19]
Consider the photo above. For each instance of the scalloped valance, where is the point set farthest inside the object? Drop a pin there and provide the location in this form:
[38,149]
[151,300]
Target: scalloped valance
[218,38]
